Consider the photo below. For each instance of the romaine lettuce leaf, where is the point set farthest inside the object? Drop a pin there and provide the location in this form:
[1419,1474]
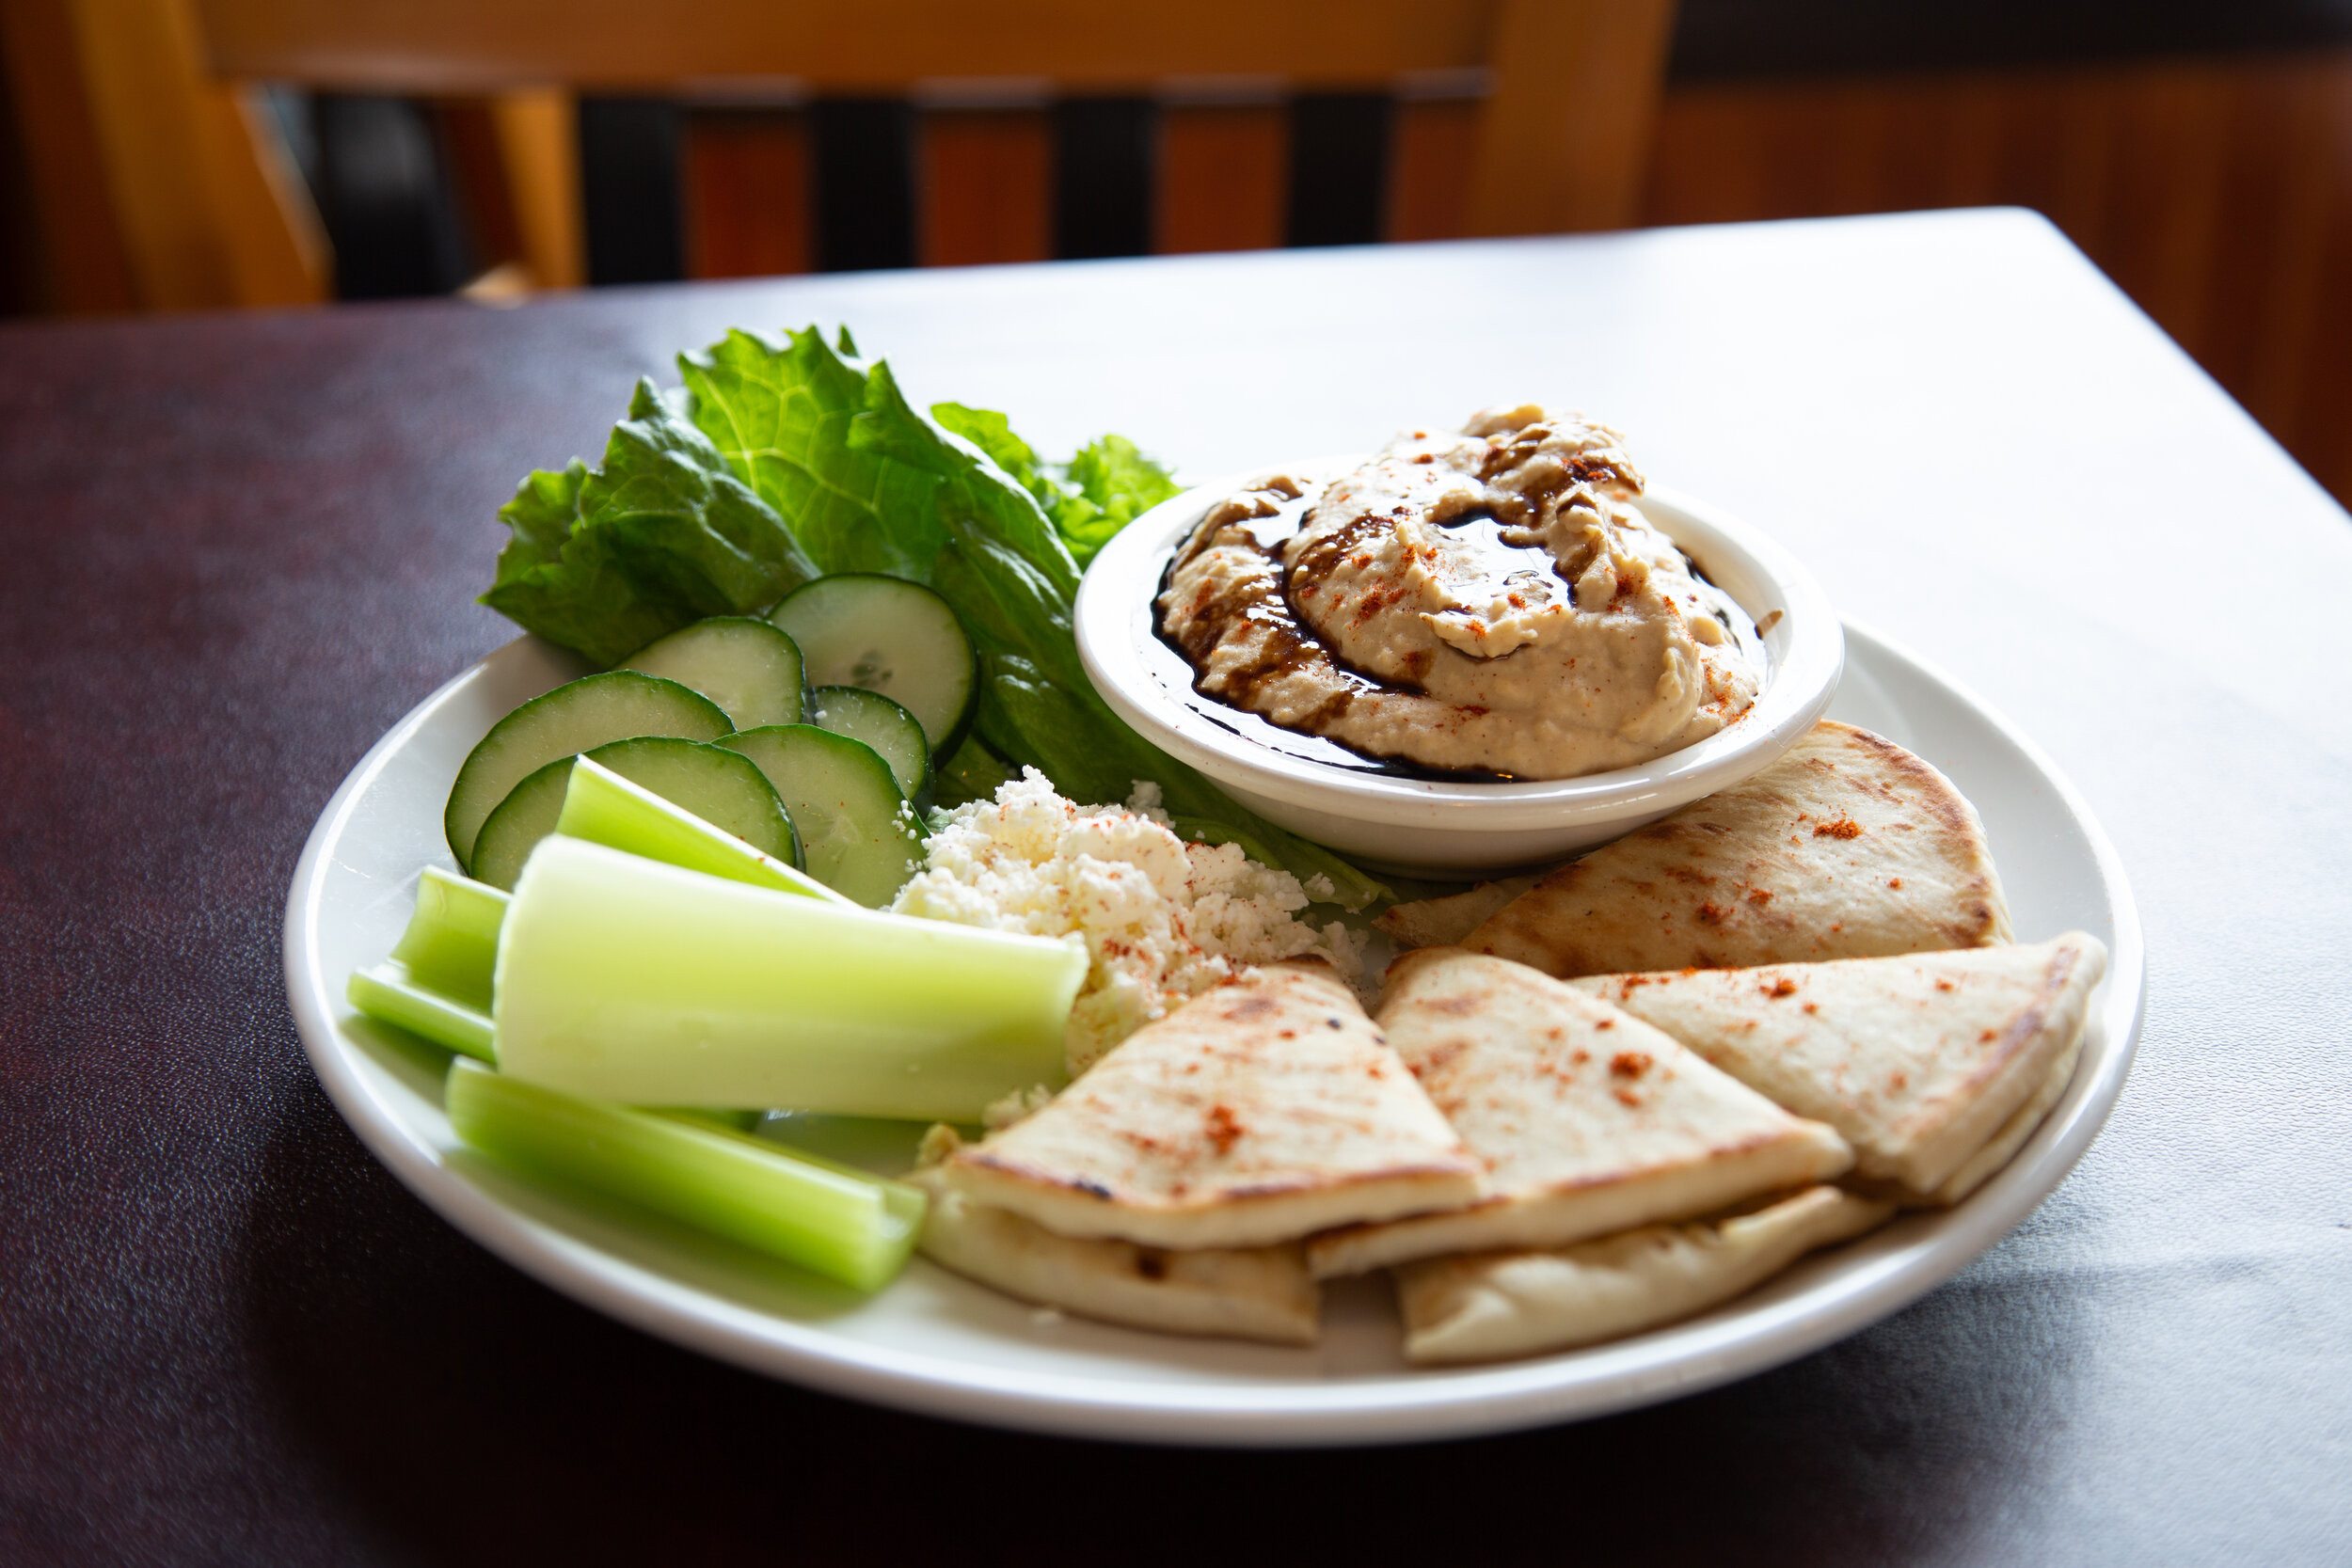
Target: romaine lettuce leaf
[976,534]
[801,461]
[1107,486]
[605,560]
[1112,483]
[992,434]
[782,417]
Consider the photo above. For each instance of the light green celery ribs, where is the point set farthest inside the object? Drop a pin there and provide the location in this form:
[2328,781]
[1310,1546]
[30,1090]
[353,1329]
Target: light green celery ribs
[623,979]
[437,983]
[842,1224]
[868,483]
[452,940]
[602,807]
[389,994]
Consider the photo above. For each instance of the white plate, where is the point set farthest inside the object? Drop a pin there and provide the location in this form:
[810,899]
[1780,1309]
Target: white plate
[935,1343]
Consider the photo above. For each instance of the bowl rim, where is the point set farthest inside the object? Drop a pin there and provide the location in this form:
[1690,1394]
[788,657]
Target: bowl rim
[1113,623]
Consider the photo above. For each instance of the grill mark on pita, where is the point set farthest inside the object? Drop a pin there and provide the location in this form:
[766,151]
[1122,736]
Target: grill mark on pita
[1949,814]
[1222,1195]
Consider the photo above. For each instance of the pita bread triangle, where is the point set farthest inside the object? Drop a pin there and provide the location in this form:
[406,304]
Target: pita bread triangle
[1256,1113]
[1500,1303]
[1846,847]
[1231,1292]
[1588,1120]
[1920,1062]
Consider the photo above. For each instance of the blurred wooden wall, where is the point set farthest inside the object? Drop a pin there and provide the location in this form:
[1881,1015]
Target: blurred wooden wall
[2217,194]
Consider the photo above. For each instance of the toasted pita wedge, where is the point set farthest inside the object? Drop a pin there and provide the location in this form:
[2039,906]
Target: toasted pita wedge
[1920,1062]
[2003,1146]
[1848,847]
[1258,1113]
[1589,1120]
[1500,1303]
[1444,921]
[1235,1293]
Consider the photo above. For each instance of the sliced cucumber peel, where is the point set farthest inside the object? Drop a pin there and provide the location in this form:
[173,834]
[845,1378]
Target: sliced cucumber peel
[746,666]
[891,636]
[859,835]
[574,718]
[713,783]
[889,728]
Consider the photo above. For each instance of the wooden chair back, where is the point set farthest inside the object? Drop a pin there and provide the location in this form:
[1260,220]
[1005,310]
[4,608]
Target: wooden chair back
[156,98]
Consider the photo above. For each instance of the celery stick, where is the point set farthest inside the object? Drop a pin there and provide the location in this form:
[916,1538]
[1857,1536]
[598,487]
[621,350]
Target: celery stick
[869,1143]
[390,994]
[841,1224]
[451,942]
[604,808]
[725,1122]
[623,980]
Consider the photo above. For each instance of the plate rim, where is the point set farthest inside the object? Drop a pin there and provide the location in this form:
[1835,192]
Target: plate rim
[1411,1406]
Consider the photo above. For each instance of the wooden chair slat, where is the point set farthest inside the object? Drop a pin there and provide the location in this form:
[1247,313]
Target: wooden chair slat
[442,45]
[747,194]
[203,208]
[1223,178]
[985,187]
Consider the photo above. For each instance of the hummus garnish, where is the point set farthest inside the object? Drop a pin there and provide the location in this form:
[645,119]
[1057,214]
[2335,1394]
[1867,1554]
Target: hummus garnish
[1490,600]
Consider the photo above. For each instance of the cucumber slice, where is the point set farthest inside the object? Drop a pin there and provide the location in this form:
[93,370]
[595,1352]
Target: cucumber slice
[860,836]
[715,785]
[746,666]
[563,723]
[889,636]
[891,730]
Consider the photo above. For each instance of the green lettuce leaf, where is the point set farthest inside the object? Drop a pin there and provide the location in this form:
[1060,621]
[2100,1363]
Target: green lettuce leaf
[974,773]
[992,434]
[1103,489]
[1112,485]
[663,533]
[799,460]
[871,484]
[782,417]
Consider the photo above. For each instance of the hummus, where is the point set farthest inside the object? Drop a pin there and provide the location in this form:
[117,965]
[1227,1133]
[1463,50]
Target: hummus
[1487,601]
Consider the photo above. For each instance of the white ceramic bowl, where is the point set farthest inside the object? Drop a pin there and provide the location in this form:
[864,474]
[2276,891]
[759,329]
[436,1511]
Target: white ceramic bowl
[1449,829]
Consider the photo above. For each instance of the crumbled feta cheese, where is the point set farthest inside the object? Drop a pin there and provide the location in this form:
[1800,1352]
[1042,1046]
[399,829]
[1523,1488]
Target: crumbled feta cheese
[1006,1109]
[1161,920]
